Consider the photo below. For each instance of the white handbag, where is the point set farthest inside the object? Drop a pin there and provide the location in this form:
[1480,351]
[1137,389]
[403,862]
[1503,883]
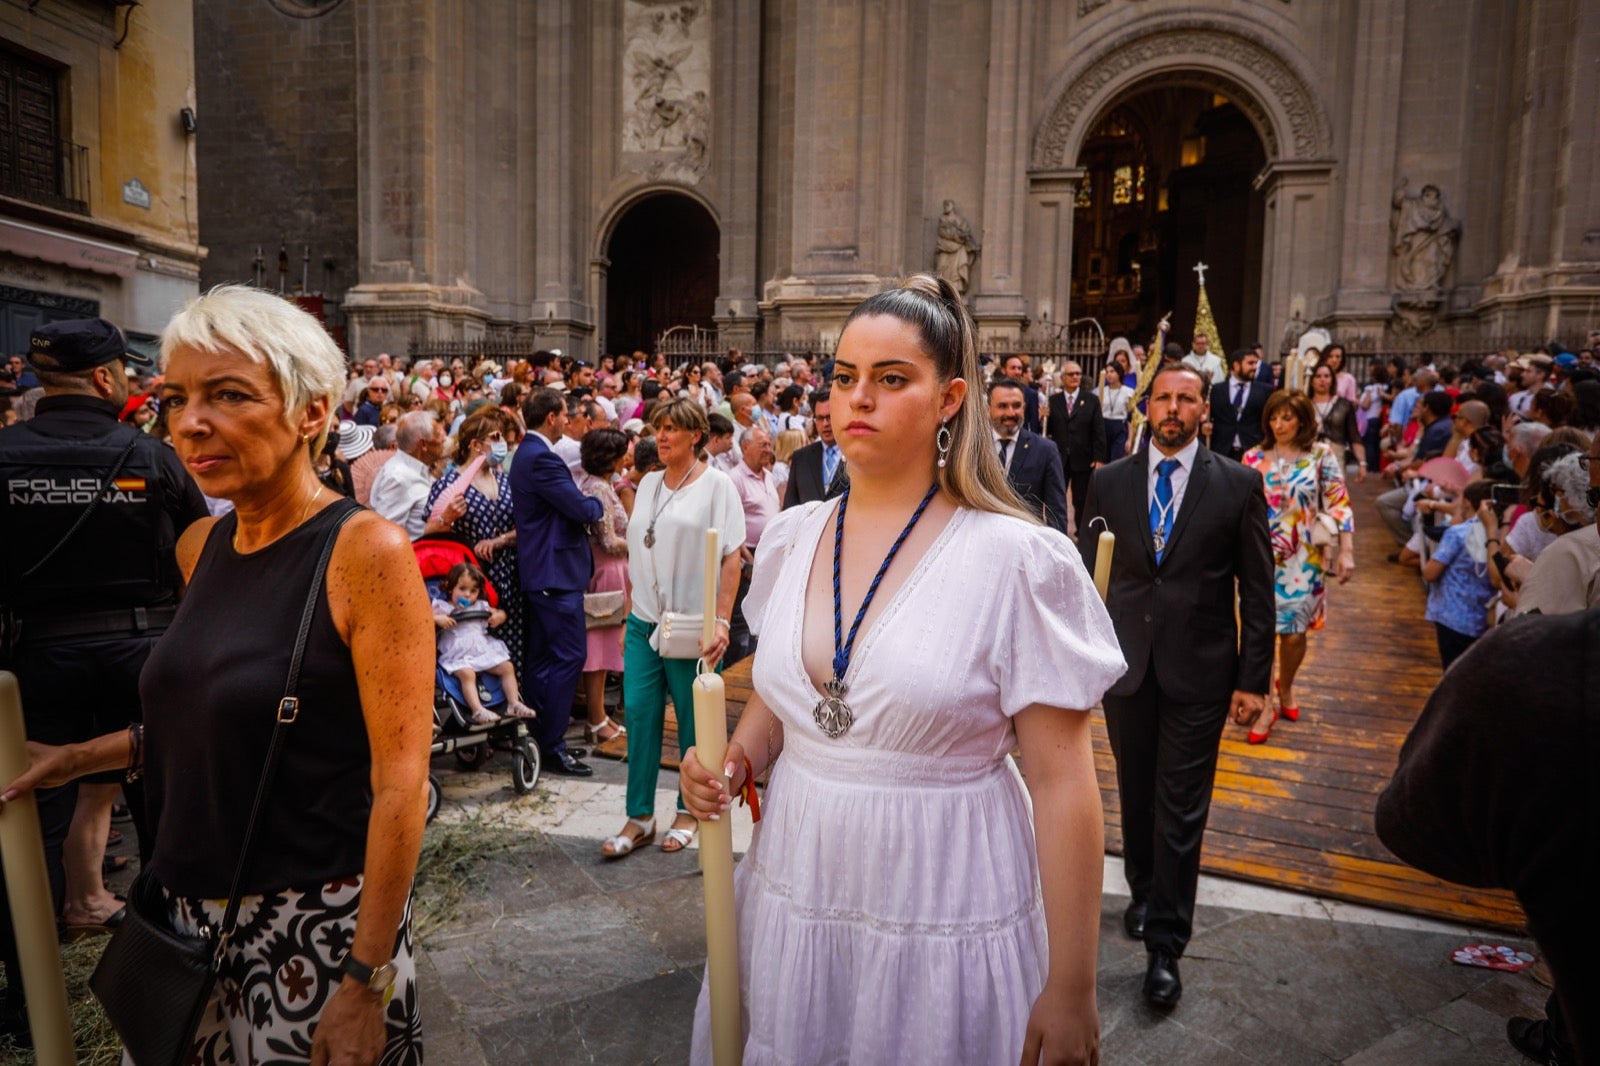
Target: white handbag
[678,635]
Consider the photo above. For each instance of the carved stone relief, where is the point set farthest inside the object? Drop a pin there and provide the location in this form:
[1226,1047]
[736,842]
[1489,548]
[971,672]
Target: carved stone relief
[1423,250]
[1305,134]
[666,88]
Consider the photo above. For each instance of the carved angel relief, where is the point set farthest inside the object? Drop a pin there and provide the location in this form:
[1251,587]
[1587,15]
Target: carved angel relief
[666,90]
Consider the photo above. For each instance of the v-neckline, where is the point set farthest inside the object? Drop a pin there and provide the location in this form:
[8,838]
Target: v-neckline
[864,641]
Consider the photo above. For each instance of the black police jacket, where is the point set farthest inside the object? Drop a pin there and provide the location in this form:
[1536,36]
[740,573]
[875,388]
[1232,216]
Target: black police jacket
[50,470]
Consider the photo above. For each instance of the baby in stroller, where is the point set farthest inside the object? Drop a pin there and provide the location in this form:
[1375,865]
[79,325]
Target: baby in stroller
[466,648]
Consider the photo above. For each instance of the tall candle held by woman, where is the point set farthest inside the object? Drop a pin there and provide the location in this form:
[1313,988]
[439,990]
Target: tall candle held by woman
[716,842]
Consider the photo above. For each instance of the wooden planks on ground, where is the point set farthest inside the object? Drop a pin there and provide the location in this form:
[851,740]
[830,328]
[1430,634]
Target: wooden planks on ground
[1297,812]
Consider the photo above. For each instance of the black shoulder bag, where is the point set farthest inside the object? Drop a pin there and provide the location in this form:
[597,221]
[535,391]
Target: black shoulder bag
[153,981]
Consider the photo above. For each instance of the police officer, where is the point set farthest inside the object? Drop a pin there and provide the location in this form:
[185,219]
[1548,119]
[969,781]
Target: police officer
[90,511]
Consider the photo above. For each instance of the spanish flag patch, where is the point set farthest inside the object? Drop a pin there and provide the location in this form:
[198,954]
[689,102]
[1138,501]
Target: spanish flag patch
[129,484]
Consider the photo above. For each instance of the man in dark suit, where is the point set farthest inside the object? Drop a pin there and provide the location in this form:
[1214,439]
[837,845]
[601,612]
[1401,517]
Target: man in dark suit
[1189,526]
[1077,426]
[816,472]
[1031,464]
[1236,405]
[554,564]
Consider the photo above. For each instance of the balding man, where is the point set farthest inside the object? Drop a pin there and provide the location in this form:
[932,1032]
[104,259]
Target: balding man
[758,492]
[1470,417]
[1076,425]
[400,491]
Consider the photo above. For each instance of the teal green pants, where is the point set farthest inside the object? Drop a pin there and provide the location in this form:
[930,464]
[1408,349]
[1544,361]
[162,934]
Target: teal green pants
[646,680]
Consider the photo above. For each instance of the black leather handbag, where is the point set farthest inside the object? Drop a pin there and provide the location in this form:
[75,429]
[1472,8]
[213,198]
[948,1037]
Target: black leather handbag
[153,981]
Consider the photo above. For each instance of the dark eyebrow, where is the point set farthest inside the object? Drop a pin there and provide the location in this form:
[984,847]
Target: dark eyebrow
[886,362]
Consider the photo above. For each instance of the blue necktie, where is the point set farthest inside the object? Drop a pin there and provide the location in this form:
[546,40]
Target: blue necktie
[830,465]
[1161,507]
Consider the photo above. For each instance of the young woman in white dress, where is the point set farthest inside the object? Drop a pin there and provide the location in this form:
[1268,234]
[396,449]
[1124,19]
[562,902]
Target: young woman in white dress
[896,904]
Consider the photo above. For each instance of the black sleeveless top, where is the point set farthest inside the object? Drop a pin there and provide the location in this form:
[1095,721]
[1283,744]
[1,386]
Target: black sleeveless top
[210,691]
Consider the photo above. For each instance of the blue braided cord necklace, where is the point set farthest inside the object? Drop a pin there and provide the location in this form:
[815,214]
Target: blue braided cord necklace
[832,714]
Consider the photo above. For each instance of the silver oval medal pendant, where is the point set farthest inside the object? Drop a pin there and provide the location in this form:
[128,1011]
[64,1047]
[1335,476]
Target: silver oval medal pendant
[833,717]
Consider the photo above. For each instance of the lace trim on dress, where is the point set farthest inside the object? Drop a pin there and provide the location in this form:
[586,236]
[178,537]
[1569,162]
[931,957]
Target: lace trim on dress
[878,924]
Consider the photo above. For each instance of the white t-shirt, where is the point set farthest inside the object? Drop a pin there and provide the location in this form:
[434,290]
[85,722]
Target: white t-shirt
[1114,402]
[1210,365]
[677,562]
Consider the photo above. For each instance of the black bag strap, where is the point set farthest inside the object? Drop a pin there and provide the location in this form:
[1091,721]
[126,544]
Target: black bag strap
[83,516]
[288,711]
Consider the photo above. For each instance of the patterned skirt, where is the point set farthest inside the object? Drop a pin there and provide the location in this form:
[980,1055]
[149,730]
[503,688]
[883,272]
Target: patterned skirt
[279,971]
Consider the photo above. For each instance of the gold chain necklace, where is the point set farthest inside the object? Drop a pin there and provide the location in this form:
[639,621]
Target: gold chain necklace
[315,496]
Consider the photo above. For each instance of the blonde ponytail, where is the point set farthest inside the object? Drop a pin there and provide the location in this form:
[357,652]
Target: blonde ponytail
[972,474]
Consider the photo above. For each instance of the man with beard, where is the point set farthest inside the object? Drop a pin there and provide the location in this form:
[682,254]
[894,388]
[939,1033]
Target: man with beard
[1189,524]
[1031,463]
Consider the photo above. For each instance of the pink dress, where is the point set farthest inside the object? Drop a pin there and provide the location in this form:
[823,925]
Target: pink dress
[610,546]
[889,905]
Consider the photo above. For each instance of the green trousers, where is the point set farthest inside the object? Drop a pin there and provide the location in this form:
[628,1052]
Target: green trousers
[646,680]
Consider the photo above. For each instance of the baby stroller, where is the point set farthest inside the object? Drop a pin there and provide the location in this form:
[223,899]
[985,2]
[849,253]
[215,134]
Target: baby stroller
[454,732]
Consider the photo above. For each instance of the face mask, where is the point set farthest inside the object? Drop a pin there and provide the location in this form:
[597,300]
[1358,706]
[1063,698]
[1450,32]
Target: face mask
[444,380]
[498,451]
[1505,455]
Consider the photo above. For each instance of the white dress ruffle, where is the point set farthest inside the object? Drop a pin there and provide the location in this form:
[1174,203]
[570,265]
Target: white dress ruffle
[889,906]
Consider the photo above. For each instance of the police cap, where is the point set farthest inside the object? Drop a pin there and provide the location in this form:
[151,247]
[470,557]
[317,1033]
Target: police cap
[80,344]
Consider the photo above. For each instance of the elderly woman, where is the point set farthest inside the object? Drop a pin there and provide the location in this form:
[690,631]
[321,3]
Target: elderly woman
[487,524]
[250,384]
[1304,486]
[1566,576]
[666,566]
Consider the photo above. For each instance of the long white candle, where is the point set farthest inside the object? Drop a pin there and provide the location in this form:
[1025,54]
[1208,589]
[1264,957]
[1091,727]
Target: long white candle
[716,844]
[33,915]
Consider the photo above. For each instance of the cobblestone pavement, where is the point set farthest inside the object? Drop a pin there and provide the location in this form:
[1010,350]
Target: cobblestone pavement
[556,956]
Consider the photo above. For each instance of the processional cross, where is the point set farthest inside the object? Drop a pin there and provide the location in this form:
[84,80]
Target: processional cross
[1200,269]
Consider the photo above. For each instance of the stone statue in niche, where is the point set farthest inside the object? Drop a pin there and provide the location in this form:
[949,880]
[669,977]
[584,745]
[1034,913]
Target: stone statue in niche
[1424,247]
[957,249]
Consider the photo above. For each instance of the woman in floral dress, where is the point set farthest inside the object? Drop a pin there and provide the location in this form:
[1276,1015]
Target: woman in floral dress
[1304,480]
[488,525]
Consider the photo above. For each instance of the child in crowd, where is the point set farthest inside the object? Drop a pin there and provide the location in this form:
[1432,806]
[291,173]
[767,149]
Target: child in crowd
[1459,590]
[466,648]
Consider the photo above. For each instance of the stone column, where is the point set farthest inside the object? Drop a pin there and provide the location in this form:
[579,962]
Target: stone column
[562,316]
[1368,172]
[1299,243]
[736,77]
[998,304]
[412,270]
[1051,195]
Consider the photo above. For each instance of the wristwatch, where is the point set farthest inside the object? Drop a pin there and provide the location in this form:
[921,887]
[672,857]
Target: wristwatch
[378,980]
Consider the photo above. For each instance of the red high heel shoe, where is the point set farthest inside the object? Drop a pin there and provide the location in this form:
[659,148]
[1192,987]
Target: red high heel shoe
[1291,714]
[1253,737]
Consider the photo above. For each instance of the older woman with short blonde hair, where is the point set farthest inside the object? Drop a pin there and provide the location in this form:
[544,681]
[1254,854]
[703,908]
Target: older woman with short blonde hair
[666,567]
[250,384]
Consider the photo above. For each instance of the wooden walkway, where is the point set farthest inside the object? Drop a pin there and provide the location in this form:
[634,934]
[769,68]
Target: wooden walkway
[1296,812]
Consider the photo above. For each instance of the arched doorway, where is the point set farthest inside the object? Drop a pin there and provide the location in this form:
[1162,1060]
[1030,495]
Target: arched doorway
[664,270]
[1167,183]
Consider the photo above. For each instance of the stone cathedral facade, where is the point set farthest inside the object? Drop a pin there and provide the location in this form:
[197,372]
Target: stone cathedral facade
[586,173]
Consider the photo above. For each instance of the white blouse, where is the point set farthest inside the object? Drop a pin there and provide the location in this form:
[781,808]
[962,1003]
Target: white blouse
[1114,402]
[677,562]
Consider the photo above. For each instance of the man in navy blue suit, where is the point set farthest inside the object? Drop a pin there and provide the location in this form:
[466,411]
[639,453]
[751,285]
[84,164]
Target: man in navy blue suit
[1031,463]
[554,563]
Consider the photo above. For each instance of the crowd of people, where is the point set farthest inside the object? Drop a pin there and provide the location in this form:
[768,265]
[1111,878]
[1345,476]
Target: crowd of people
[584,491]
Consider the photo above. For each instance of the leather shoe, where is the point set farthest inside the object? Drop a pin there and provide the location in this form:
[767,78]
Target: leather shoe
[567,765]
[1532,1038]
[1133,919]
[1162,988]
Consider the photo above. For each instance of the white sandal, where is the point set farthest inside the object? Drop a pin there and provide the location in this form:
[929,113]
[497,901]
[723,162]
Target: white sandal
[622,844]
[591,733]
[681,837]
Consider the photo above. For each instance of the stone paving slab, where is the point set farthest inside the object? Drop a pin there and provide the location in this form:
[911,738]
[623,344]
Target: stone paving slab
[559,956]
